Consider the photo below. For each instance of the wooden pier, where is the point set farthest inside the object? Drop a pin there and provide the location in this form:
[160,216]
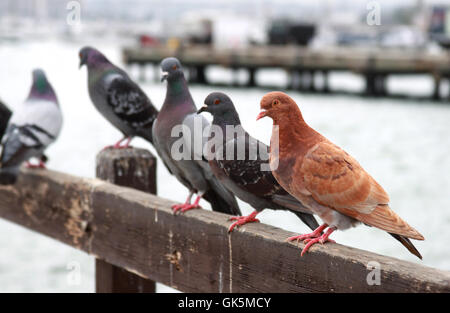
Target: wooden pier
[304,64]
[137,240]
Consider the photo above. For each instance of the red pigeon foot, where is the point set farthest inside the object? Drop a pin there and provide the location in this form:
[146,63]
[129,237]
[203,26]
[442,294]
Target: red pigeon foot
[40,165]
[186,206]
[316,233]
[177,207]
[118,145]
[322,239]
[241,220]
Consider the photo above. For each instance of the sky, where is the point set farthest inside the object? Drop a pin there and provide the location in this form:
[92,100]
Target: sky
[164,8]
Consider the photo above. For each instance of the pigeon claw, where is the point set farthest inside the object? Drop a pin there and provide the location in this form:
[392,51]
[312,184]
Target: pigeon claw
[316,233]
[184,207]
[118,145]
[241,220]
[315,237]
[41,165]
[311,241]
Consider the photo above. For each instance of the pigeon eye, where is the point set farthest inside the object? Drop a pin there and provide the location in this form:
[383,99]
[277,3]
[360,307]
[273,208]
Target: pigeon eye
[217,101]
[174,67]
[275,102]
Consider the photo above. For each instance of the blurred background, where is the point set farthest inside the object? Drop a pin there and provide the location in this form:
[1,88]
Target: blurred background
[372,76]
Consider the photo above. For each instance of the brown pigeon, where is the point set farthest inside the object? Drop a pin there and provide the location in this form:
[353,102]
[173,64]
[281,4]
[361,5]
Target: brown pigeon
[326,179]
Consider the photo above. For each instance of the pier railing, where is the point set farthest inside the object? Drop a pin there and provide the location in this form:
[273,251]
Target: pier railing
[137,241]
[374,64]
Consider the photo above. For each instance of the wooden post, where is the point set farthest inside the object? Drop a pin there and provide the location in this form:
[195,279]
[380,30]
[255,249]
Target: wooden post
[134,168]
[370,84]
[437,86]
[312,81]
[325,82]
[200,74]
[251,82]
[380,85]
[302,84]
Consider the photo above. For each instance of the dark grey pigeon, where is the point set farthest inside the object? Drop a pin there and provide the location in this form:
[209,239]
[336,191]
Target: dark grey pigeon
[5,115]
[34,125]
[240,170]
[183,154]
[118,98]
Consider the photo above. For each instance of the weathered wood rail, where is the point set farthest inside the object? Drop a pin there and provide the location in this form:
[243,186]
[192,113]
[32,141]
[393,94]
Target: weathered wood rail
[137,238]
[302,63]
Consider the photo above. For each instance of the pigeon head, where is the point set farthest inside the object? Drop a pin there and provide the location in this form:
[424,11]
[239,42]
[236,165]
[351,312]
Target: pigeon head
[171,69]
[92,57]
[39,80]
[276,105]
[221,108]
[41,88]
[217,103]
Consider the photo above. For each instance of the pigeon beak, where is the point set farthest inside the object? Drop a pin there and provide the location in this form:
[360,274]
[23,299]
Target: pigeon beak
[261,115]
[203,109]
[164,76]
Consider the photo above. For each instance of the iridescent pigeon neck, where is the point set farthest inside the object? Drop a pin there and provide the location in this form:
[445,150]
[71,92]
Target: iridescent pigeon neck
[97,60]
[178,93]
[41,90]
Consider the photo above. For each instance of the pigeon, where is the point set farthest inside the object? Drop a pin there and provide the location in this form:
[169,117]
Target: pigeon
[326,179]
[118,98]
[34,125]
[191,168]
[244,175]
[5,115]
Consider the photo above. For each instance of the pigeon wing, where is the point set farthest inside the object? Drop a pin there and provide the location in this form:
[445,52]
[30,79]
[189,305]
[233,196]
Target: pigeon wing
[245,170]
[129,103]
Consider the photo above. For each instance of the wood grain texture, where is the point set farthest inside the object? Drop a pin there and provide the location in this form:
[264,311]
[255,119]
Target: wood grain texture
[113,279]
[137,231]
[134,168]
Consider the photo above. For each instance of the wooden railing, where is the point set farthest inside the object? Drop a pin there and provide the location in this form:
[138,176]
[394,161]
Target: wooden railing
[301,64]
[138,241]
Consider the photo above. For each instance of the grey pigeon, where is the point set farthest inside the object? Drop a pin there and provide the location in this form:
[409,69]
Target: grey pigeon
[34,125]
[5,115]
[236,159]
[120,100]
[192,170]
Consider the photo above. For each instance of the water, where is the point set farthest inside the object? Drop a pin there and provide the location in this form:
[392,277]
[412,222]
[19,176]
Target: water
[404,145]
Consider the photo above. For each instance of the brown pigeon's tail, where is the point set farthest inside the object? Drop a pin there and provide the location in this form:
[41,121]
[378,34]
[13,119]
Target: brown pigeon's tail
[408,244]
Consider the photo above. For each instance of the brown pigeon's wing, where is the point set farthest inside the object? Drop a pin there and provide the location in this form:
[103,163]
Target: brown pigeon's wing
[336,180]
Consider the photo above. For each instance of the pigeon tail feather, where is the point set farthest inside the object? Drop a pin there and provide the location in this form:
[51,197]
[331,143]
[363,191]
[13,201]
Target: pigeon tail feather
[408,244]
[308,219]
[219,204]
